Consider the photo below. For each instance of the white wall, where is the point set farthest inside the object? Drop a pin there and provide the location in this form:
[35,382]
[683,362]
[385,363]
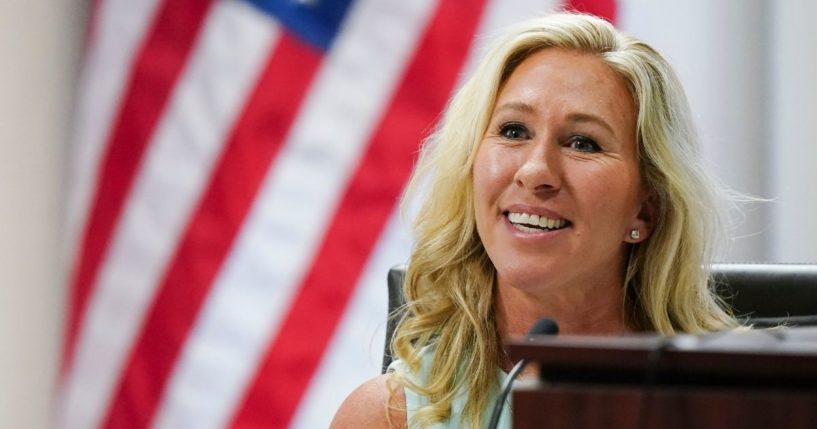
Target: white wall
[794,130]
[748,67]
[39,53]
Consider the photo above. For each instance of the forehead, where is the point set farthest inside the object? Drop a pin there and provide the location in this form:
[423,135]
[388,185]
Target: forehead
[555,80]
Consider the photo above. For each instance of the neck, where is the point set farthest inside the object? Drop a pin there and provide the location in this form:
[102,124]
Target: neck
[594,311]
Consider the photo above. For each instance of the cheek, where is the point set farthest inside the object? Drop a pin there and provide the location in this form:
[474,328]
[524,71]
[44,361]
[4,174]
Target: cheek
[481,178]
[611,191]
[489,177]
[491,171]
[607,195]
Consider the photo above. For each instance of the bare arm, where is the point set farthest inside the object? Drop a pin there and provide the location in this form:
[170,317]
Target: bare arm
[367,407]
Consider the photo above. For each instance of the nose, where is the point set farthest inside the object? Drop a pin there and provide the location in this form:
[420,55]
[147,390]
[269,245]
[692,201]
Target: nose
[540,170]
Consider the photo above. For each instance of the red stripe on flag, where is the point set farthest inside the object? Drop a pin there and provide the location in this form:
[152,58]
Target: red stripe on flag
[255,142]
[602,8]
[156,69]
[368,202]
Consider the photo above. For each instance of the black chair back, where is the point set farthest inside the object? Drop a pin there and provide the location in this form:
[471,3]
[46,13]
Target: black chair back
[763,295]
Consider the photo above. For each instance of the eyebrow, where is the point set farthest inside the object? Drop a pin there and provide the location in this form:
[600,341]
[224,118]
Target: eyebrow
[574,117]
[586,117]
[516,105]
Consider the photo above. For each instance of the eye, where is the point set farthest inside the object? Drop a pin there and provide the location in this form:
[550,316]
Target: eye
[583,144]
[514,131]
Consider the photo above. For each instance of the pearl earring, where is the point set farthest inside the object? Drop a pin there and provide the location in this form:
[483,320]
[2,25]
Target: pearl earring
[635,234]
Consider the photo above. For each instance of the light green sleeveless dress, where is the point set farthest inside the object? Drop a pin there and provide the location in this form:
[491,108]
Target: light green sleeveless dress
[414,400]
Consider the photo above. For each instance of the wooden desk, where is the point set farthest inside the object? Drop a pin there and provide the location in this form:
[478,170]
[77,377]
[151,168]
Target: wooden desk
[757,379]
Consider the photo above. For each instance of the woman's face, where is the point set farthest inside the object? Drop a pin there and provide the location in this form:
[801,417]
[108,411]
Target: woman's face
[557,188]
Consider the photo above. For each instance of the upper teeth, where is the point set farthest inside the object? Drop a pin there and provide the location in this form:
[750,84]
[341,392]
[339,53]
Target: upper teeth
[536,220]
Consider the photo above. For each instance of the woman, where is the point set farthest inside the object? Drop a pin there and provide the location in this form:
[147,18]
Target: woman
[564,183]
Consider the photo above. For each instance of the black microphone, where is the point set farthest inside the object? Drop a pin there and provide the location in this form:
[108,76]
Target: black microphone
[540,327]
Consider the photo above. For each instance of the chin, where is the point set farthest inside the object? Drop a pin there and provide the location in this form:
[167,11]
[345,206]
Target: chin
[526,279]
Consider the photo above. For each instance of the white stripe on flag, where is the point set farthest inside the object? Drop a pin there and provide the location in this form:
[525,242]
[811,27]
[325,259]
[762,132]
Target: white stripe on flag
[498,15]
[223,68]
[286,224]
[355,353]
[120,29]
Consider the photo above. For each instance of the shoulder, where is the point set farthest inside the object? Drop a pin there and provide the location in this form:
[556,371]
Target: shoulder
[377,403]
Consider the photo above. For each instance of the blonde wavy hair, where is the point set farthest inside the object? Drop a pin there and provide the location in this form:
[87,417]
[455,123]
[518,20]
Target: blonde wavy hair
[450,282]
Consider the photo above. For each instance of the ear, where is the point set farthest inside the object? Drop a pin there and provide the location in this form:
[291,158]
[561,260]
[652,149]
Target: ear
[643,221]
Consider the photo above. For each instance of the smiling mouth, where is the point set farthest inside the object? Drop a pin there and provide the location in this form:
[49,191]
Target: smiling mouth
[532,223]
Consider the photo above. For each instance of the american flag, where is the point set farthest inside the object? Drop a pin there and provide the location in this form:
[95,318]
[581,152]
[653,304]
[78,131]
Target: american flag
[232,210]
